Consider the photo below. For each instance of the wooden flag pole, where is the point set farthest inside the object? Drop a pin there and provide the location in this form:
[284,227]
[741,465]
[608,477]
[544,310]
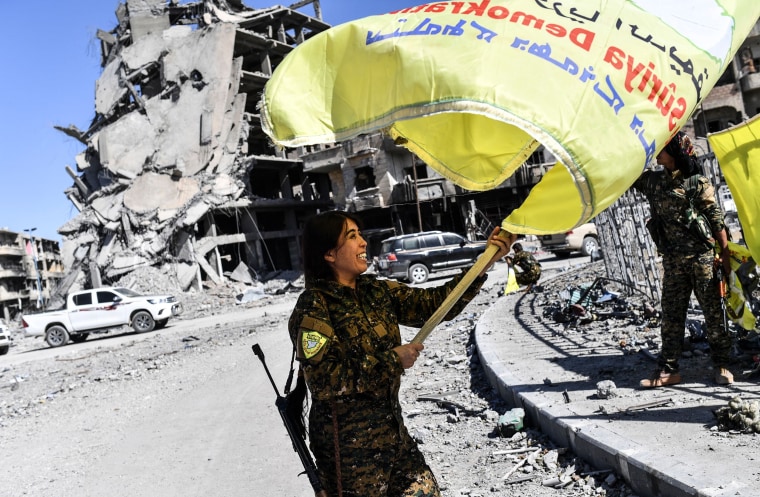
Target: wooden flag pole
[462,286]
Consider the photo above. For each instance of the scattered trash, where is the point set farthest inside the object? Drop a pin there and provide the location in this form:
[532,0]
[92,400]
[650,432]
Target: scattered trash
[511,422]
[251,295]
[588,303]
[636,407]
[519,464]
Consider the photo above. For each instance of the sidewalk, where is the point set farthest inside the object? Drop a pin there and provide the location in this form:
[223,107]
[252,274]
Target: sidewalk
[664,449]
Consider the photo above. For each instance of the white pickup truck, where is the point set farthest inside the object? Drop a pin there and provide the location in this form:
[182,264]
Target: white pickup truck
[100,309]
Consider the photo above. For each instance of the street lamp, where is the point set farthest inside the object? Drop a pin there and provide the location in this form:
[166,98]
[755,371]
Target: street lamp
[36,266]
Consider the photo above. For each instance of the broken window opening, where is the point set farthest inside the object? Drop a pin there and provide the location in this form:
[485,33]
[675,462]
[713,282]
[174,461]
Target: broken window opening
[105,178]
[421,169]
[268,183]
[258,143]
[317,186]
[365,178]
[279,252]
[186,15]
[714,126]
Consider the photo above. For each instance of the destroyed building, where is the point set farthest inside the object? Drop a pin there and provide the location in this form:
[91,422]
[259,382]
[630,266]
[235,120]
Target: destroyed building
[30,270]
[177,174]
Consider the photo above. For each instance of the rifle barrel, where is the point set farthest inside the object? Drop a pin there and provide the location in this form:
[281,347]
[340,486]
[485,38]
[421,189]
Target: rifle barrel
[299,445]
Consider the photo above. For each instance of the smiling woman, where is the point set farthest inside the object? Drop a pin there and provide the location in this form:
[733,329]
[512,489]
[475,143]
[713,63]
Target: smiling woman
[345,332]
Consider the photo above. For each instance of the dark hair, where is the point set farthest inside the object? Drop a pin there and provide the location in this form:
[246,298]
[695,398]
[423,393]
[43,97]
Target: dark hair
[517,247]
[320,235]
[682,151]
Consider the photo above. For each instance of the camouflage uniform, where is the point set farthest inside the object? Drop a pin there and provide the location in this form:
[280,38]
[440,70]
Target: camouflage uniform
[687,264]
[344,340]
[530,268]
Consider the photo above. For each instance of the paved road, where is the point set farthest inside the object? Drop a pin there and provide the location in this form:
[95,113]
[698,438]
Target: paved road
[206,425]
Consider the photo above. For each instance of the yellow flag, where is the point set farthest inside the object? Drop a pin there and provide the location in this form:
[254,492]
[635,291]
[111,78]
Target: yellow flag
[738,152]
[512,285]
[474,87]
[738,303]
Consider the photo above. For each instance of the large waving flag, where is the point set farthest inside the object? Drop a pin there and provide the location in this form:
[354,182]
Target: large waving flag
[474,87]
[738,152]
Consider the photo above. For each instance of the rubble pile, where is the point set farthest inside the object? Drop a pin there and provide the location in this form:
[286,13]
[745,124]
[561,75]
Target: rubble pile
[456,417]
[214,299]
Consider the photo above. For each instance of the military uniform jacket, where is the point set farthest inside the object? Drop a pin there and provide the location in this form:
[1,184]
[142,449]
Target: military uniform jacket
[527,263]
[344,340]
[669,199]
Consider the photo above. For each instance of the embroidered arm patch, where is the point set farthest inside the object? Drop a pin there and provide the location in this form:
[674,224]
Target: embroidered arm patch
[315,335]
[312,342]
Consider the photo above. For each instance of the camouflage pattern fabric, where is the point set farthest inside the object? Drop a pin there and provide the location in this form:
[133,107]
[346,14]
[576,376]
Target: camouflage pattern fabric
[530,269]
[668,199]
[344,339]
[687,264]
[684,274]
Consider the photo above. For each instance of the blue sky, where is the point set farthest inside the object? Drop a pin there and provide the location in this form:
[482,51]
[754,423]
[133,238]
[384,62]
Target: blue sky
[50,60]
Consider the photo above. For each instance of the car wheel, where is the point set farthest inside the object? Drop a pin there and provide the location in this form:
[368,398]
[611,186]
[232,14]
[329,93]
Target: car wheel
[143,322]
[4,349]
[79,337]
[161,323]
[418,273]
[55,336]
[590,245]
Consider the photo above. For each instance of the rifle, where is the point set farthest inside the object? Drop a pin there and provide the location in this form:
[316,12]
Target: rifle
[720,278]
[294,427]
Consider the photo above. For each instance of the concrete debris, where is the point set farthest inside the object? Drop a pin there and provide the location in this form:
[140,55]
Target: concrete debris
[242,274]
[739,415]
[251,295]
[606,389]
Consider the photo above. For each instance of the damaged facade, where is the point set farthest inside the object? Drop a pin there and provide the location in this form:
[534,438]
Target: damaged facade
[30,271]
[177,174]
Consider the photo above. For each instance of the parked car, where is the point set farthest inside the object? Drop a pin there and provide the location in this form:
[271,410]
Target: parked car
[582,239]
[5,339]
[100,309]
[414,257]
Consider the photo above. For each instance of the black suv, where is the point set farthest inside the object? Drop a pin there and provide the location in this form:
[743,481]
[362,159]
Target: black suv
[414,257]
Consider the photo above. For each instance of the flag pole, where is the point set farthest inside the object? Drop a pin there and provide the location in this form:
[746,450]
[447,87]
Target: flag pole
[462,286]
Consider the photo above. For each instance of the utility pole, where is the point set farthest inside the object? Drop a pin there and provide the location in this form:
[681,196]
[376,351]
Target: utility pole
[416,191]
[36,267]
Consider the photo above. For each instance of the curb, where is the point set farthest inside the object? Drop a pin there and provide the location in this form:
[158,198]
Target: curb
[650,473]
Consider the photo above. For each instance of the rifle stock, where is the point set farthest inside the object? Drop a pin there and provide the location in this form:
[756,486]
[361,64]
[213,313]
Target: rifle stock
[296,436]
[723,291]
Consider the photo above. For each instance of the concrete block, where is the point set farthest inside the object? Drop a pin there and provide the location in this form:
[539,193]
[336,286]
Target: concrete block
[187,274]
[152,191]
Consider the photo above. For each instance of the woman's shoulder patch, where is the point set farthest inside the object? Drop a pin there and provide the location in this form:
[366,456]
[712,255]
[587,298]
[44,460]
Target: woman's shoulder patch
[315,334]
[312,343]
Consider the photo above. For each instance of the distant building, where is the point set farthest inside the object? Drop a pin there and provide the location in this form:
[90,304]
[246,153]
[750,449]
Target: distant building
[736,96]
[734,99]
[30,269]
